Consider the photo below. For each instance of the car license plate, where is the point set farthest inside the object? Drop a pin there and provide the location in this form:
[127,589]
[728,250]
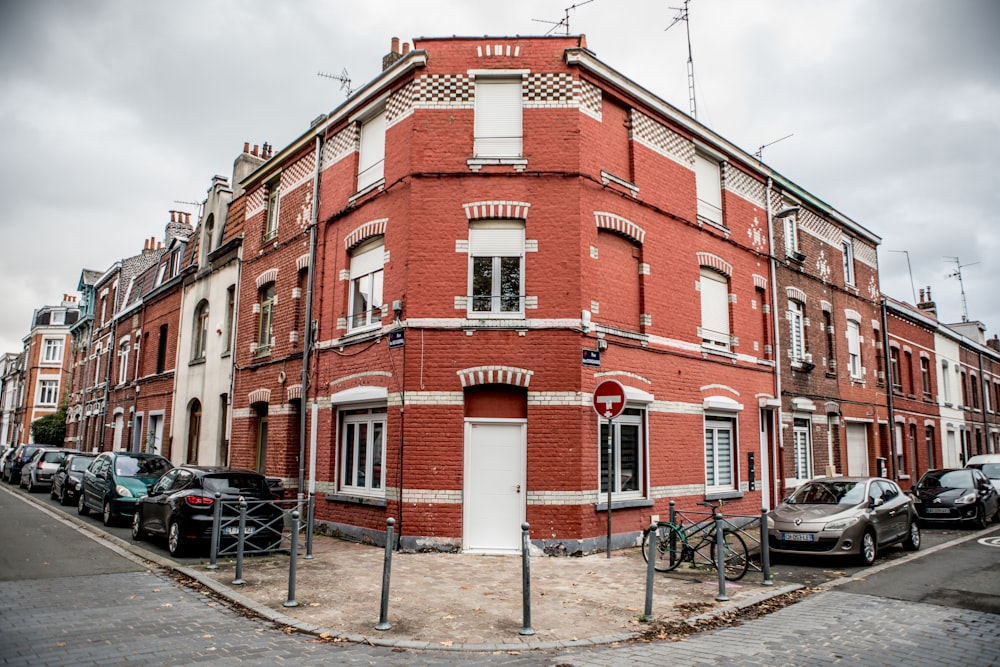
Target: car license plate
[235,530]
[938,510]
[797,537]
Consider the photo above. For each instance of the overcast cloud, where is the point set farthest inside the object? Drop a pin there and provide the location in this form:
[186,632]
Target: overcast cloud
[113,110]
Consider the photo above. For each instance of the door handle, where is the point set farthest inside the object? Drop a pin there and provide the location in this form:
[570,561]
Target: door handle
[517,488]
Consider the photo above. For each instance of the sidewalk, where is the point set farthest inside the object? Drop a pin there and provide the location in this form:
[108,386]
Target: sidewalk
[442,600]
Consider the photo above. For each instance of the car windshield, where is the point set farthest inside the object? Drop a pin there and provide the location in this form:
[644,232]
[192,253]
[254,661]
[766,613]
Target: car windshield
[991,470]
[53,457]
[237,483]
[829,493]
[128,466]
[947,479]
[80,463]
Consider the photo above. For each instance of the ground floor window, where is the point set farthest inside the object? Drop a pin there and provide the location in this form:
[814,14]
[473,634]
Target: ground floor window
[628,452]
[362,451]
[802,448]
[720,454]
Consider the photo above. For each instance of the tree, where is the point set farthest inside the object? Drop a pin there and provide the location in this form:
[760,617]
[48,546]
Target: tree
[50,429]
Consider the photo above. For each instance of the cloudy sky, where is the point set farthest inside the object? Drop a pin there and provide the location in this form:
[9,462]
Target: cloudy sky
[113,111]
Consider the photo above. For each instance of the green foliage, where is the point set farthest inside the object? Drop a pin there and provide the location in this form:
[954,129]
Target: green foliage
[50,429]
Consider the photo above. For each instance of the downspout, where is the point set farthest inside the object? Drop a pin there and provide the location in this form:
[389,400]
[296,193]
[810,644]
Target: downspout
[985,442]
[776,458]
[308,330]
[894,474]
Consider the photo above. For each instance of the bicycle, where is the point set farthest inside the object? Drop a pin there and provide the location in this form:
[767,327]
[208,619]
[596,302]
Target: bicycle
[679,543]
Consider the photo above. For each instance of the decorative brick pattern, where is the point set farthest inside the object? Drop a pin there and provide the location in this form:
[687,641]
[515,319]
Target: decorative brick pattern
[498,50]
[658,137]
[299,172]
[269,276]
[616,223]
[294,392]
[365,231]
[336,148]
[589,98]
[259,396]
[825,231]
[302,263]
[443,91]
[742,184]
[759,281]
[400,104]
[255,203]
[548,90]
[495,375]
[488,210]
[432,496]
[866,254]
[715,262]
[795,294]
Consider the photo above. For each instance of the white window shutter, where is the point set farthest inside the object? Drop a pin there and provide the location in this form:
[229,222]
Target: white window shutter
[371,160]
[498,118]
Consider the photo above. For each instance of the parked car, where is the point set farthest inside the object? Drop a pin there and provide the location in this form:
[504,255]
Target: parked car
[6,454]
[115,480]
[962,495]
[37,473]
[989,464]
[69,475]
[855,516]
[15,462]
[181,507]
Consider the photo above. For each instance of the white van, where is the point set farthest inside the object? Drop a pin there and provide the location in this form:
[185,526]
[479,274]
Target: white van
[989,464]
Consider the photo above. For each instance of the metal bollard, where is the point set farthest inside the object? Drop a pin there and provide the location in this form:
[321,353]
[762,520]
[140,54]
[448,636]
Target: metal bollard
[310,517]
[672,536]
[526,628]
[291,602]
[216,532]
[765,554]
[720,558]
[654,551]
[240,539]
[383,612]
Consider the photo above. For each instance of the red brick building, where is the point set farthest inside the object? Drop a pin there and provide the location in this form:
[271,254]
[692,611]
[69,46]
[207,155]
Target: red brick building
[45,364]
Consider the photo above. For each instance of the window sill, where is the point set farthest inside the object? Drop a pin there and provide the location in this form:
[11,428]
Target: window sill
[377,185]
[609,179]
[360,336]
[707,348]
[624,503]
[714,224]
[197,362]
[354,499]
[477,163]
[723,495]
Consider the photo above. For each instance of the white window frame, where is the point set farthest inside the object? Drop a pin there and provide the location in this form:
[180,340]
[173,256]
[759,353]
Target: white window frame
[945,382]
[796,330]
[265,338]
[632,417]
[854,365]
[847,247]
[498,240]
[499,124]
[720,478]
[791,233]
[273,212]
[57,317]
[199,338]
[708,186]
[371,150]
[802,447]
[123,350]
[367,278]
[374,418]
[714,288]
[48,391]
[53,350]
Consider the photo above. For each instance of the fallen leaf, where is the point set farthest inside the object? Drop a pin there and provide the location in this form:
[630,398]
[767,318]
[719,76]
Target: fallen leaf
[448,643]
[60,644]
[207,636]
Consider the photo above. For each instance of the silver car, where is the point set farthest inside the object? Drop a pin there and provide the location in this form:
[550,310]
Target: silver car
[854,516]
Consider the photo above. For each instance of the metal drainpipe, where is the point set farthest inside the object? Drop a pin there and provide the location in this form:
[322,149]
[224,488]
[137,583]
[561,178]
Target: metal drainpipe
[888,391]
[985,442]
[776,435]
[307,334]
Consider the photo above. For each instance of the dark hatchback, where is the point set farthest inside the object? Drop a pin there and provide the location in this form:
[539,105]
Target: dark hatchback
[69,475]
[962,495]
[181,507]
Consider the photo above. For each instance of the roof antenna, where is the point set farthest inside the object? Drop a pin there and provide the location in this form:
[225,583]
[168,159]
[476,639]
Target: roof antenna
[907,253]
[343,78]
[958,274]
[682,15]
[565,20]
[759,153]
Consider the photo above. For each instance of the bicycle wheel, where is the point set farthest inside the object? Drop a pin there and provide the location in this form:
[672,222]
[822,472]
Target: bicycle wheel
[736,557]
[669,547]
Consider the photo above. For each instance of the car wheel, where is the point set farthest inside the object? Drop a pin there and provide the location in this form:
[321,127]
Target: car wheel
[868,548]
[137,532]
[912,541]
[980,521]
[107,514]
[175,543]
[81,505]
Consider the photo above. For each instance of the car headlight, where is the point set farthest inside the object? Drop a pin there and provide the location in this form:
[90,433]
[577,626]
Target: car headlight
[842,524]
[967,499]
[123,491]
[76,484]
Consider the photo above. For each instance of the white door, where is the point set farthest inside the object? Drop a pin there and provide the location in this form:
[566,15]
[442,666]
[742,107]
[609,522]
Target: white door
[119,427]
[857,450]
[494,493]
[951,457]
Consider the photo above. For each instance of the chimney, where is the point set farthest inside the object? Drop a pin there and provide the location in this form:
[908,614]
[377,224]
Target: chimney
[993,343]
[393,55]
[243,166]
[406,48]
[926,304]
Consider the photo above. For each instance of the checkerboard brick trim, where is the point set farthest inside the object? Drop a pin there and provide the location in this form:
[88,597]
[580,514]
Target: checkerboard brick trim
[519,377]
[255,203]
[658,137]
[340,146]
[590,99]
[548,90]
[489,210]
[365,231]
[715,262]
[742,184]
[443,91]
[299,172]
[616,223]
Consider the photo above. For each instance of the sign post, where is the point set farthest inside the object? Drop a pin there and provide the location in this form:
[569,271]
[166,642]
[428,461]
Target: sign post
[609,402]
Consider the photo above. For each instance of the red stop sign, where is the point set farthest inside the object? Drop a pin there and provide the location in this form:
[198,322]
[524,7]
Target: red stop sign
[609,399]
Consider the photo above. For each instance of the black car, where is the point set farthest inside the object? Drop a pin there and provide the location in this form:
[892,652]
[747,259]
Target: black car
[181,507]
[962,495]
[114,482]
[69,475]
[16,461]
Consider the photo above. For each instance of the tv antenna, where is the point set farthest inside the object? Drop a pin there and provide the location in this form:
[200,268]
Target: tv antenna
[565,20]
[343,78]
[197,205]
[958,274]
[907,253]
[759,153]
[682,15]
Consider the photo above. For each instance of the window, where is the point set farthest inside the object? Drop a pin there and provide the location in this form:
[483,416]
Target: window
[627,450]
[802,448]
[796,331]
[974,388]
[123,350]
[496,268]
[708,183]
[161,350]
[260,461]
[57,317]
[199,336]
[367,262]
[791,234]
[265,333]
[945,382]
[97,364]
[207,237]
[371,153]
[273,210]
[48,392]
[194,430]
[714,309]
[362,451]
[831,350]
[929,444]
[897,384]
[720,454]
[965,389]
[53,350]
[848,249]
[498,118]
[230,316]
[854,349]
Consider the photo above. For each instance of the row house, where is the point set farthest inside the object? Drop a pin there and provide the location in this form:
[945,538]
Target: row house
[45,364]
[81,338]
[488,230]
[11,395]
[978,376]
